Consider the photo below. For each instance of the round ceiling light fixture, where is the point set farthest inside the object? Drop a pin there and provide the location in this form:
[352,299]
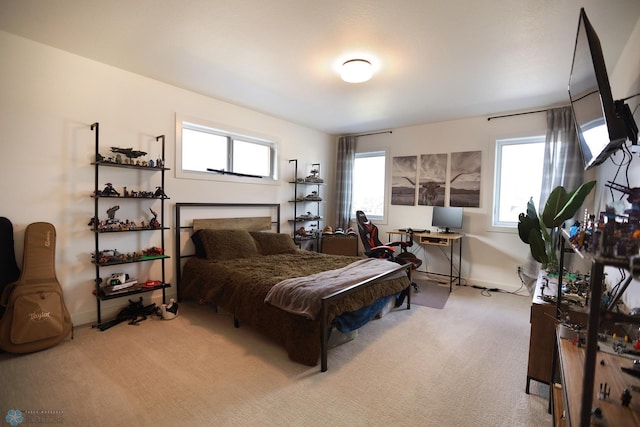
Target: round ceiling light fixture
[356,71]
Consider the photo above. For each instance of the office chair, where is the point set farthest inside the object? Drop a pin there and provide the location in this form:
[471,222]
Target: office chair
[373,248]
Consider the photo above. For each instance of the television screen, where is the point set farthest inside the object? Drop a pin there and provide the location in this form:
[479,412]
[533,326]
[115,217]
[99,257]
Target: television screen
[600,130]
[446,218]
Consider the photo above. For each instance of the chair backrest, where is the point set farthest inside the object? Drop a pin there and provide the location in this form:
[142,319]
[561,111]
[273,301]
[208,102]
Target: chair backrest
[368,232]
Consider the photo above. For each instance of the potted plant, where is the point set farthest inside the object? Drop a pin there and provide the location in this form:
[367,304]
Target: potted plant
[539,232]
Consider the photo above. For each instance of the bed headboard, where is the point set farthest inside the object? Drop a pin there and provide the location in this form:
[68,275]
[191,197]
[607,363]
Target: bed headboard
[196,216]
[259,223]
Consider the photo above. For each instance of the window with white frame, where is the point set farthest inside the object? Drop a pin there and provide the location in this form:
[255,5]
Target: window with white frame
[205,151]
[369,184]
[519,165]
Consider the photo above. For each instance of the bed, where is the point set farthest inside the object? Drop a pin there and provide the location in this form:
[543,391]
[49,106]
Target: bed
[245,266]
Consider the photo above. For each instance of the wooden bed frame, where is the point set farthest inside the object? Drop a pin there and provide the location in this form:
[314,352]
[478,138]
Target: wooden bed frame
[262,223]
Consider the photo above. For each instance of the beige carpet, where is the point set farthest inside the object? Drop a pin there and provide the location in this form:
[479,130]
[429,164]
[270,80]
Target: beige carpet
[464,365]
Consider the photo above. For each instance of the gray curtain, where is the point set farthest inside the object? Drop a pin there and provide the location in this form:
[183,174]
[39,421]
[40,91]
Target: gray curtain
[344,179]
[562,166]
[562,158]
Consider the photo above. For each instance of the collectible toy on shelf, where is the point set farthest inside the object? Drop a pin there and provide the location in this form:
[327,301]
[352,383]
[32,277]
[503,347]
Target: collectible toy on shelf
[615,235]
[154,223]
[576,288]
[114,224]
[130,153]
[307,217]
[612,235]
[118,283]
[153,251]
[313,196]
[113,256]
[109,191]
[159,193]
[314,177]
[111,212]
[130,158]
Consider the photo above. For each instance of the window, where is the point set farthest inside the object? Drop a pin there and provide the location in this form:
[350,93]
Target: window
[205,152]
[519,165]
[369,184]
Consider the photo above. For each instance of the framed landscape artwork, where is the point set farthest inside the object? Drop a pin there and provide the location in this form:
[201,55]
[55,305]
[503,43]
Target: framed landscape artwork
[464,184]
[432,179]
[403,180]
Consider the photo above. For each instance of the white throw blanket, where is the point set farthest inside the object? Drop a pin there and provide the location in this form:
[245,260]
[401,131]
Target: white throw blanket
[302,295]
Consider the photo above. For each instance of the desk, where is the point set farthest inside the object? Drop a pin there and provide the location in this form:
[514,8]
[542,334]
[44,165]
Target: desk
[440,239]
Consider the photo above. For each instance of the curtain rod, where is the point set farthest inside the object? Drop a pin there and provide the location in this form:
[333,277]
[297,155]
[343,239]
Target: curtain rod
[372,133]
[525,112]
[551,108]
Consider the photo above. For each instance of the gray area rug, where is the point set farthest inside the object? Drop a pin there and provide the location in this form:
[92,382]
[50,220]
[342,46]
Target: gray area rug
[429,294]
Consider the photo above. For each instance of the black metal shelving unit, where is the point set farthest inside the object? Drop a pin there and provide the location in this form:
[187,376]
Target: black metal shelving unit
[298,200]
[158,195]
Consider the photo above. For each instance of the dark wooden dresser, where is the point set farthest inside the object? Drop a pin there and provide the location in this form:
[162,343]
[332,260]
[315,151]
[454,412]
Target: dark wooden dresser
[543,330]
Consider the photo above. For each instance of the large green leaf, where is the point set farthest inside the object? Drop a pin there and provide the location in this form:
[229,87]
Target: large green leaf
[556,201]
[525,225]
[538,248]
[576,198]
[528,221]
[533,228]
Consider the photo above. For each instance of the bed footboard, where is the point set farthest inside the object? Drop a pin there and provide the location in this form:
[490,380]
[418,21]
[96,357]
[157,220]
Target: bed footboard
[324,314]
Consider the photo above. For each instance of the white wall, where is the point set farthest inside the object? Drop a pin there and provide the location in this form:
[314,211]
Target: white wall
[490,256]
[50,98]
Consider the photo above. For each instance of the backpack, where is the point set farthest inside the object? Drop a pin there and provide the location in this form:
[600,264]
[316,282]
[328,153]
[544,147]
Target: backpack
[35,315]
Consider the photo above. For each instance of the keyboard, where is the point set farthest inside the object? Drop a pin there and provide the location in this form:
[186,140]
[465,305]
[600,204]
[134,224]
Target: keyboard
[415,230]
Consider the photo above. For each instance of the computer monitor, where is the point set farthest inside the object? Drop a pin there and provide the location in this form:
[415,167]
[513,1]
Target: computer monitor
[446,218]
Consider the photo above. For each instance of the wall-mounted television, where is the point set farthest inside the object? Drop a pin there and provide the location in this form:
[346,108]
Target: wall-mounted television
[602,125]
[447,218]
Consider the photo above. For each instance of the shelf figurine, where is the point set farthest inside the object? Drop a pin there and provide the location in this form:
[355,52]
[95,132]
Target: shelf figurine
[153,223]
[314,176]
[625,398]
[111,212]
[109,190]
[129,152]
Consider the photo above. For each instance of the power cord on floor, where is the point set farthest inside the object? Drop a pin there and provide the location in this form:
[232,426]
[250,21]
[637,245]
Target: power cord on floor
[484,290]
[487,291]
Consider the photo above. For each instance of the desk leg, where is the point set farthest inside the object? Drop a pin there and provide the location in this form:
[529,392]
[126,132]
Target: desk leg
[450,266]
[459,261]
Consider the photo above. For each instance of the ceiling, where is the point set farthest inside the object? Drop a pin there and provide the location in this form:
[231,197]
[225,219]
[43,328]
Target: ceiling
[433,60]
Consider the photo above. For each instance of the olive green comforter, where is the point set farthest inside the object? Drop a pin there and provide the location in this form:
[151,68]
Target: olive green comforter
[239,286]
